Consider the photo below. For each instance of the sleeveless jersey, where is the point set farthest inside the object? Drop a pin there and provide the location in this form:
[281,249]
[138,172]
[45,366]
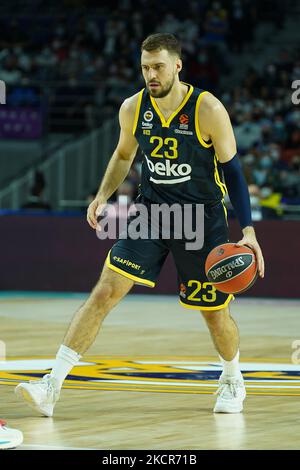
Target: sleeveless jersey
[178,165]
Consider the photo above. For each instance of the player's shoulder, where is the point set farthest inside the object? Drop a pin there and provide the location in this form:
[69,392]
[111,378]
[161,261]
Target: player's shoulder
[128,111]
[210,104]
[129,105]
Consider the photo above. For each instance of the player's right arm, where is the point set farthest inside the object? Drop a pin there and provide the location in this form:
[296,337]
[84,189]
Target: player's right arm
[120,162]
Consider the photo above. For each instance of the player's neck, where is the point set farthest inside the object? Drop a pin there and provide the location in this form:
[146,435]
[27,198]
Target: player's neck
[174,99]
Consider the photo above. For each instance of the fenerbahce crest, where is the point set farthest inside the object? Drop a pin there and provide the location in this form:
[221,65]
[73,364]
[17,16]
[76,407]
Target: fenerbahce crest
[158,374]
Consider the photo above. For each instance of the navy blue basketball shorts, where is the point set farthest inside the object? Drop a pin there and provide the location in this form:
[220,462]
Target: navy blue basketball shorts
[142,259]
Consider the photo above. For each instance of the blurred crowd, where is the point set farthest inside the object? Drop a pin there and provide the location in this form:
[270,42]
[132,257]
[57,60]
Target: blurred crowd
[79,64]
[267,130]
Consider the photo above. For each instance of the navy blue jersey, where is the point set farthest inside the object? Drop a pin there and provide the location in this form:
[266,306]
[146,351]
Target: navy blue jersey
[178,165]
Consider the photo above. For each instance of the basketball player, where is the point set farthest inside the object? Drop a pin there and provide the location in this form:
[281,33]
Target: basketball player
[9,438]
[187,139]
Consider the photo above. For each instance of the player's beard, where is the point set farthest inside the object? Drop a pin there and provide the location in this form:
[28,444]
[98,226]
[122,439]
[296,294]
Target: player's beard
[164,90]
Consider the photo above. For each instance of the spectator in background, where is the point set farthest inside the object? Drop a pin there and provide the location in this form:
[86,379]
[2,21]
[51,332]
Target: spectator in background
[279,133]
[216,25]
[46,62]
[203,69]
[10,72]
[292,146]
[35,199]
[247,132]
[72,102]
[13,35]
[237,25]
[289,180]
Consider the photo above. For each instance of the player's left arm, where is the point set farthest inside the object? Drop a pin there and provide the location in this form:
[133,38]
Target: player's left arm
[215,124]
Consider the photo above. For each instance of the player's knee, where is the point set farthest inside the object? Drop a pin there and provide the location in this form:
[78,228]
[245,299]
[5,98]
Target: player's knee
[101,295]
[215,319]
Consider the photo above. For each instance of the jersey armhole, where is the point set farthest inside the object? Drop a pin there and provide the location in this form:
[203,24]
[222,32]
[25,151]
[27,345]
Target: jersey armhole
[137,111]
[202,142]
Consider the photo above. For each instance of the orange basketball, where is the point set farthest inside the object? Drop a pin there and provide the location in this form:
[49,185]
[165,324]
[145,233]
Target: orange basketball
[231,269]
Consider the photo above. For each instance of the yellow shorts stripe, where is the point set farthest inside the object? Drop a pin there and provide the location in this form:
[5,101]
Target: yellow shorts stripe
[137,279]
[217,307]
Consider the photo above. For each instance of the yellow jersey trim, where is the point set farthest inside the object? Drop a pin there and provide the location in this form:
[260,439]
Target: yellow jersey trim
[217,307]
[221,185]
[129,276]
[161,116]
[137,111]
[199,99]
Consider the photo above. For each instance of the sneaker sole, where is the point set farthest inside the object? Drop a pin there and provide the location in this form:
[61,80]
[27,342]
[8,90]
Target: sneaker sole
[226,409]
[11,444]
[22,393]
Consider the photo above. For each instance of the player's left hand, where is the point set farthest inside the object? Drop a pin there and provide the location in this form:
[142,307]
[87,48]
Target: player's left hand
[250,240]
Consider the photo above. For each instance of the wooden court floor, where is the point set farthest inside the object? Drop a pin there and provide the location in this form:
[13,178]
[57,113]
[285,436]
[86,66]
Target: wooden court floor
[148,380]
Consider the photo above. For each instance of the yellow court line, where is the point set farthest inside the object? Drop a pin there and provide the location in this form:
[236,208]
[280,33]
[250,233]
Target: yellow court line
[93,359]
[179,390]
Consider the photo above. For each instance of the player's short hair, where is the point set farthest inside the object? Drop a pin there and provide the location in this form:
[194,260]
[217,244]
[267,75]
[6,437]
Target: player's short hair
[161,41]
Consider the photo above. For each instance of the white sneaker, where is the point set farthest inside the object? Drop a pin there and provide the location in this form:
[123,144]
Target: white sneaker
[231,394]
[9,438]
[41,395]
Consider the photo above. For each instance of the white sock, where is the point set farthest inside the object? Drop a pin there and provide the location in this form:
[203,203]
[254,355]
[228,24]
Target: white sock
[66,359]
[232,367]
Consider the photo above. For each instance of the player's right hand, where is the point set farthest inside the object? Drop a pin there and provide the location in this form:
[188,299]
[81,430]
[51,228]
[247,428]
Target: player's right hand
[94,210]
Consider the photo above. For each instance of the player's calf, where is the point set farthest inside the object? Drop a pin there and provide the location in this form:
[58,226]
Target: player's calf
[231,391]
[42,395]
[223,331]
[216,319]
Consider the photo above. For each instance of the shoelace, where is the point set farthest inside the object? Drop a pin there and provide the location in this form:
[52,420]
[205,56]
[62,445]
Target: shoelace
[51,390]
[226,386]
[43,380]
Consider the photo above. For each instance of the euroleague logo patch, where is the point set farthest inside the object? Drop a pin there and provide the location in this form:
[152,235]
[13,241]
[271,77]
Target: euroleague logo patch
[196,375]
[183,119]
[182,292]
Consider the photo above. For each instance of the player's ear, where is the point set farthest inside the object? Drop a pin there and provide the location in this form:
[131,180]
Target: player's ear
[178,65]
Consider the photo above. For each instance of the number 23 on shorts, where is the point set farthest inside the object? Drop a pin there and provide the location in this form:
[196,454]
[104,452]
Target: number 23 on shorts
[206,290]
